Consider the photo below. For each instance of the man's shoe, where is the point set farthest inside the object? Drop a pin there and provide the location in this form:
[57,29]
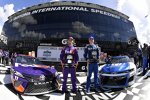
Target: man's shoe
[88,91]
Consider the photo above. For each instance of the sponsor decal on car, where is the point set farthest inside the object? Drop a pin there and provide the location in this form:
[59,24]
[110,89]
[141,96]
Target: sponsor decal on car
[42,83]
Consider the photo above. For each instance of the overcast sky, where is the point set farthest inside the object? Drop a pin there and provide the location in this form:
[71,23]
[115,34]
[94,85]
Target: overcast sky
[137,10]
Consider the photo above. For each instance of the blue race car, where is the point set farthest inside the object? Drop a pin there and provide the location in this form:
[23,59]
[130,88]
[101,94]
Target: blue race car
[118,72]
[30,77]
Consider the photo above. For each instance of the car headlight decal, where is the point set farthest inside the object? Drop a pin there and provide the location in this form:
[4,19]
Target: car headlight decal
[19,74]
[103,72]
[130,70]
[127,71]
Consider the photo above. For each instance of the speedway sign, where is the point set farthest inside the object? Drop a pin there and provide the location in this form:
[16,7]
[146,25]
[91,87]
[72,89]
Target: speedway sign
[49,53]
[66,8]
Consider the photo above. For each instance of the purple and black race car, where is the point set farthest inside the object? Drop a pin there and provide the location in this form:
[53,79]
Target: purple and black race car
[30,77]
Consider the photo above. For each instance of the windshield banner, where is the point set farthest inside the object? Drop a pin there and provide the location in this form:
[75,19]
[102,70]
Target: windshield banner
[48,53]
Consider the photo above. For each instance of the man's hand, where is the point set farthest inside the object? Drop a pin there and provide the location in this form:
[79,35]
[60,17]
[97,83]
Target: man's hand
[62,64]
[88,61]
[76,65]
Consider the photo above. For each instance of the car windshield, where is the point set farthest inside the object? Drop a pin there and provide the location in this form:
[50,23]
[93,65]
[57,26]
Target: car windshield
[120,59]
[28,60]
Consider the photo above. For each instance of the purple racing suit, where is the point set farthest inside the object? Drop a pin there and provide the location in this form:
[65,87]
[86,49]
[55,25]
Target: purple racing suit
[69,57]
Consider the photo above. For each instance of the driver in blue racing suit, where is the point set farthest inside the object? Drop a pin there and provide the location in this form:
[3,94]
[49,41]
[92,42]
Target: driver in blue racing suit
[91,54]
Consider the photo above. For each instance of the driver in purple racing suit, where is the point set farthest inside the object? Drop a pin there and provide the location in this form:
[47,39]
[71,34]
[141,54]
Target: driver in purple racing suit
[69,61]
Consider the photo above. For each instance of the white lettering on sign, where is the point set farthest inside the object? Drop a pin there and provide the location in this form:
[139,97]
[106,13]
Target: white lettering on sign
[105,13]
[64,41]
[61,8]
[22,15]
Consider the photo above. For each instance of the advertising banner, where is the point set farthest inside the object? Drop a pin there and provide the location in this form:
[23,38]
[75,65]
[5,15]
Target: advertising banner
[48,53]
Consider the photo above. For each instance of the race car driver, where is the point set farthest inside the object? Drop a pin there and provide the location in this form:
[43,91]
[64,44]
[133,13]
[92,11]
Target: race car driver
[1,56]
[69,61]
[91,54]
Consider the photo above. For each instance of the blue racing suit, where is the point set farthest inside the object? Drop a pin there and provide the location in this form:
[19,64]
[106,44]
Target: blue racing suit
[91,54]
[145,59]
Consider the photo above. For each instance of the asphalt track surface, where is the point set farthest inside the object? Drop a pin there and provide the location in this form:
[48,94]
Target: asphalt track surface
[139,91]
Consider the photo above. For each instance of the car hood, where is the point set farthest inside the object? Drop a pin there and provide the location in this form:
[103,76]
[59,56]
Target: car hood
[34,69]
[118,67]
